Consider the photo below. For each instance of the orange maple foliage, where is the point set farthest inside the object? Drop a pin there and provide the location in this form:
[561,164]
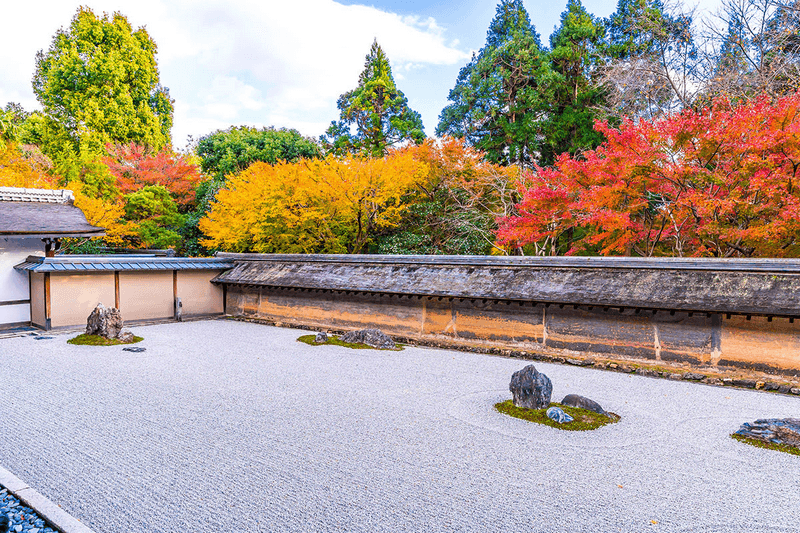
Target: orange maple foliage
[330,205]
[721,181]
[17,170]
[135,166]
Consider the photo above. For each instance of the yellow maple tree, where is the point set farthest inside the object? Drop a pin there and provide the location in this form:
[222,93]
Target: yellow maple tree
[332,205]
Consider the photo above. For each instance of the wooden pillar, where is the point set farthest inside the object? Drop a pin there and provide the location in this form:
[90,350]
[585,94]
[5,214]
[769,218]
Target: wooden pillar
[47,322]
[116,289]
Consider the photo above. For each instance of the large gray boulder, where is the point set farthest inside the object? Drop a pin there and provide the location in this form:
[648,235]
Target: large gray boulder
[371,337]
[582,402]
[104,321]
[530,388]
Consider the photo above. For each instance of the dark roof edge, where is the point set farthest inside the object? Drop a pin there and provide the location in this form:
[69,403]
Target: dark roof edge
[653,263]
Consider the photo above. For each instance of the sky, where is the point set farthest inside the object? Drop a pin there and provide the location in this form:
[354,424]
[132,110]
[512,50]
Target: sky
[280,63]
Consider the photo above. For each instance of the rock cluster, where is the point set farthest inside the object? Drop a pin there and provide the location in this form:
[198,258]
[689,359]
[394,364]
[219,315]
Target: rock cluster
[530,388]
[774,430]
[107,322]
[371,337]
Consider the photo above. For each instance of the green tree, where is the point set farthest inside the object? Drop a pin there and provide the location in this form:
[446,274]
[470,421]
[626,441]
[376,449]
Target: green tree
[496,104]
[99,83]
[230,151]
[574,97]
[156,214]
[378,111]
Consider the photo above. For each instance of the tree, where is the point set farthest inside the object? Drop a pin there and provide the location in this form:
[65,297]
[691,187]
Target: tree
[135,166]
[378,111]
[655,65]
[720,181]
[574,97]
[231,151]
[756,47]
[454,209]
[328,206]
[496,104]
[156,216]
[99,83]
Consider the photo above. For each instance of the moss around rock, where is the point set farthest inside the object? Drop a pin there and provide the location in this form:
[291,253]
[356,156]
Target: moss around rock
[97,340]
[333,340]
[794,450]
[584,420]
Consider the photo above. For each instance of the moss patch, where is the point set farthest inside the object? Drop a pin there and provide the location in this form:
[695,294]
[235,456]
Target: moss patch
[794,450]
[334,341]
[584,420]
[97,340]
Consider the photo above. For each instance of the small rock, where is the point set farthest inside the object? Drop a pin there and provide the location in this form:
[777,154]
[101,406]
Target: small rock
[557,414]
[675,376]
[771,385]
[530,388]
[575,400]
[371,337]
[727,381]
[693,376]
[134,349]
[321,338]
[712,381]
[759,385]
[126,335]
[647,372]
[794,390]
[746,383]
[576,362]
[41,338]
[785,389]
[613,366]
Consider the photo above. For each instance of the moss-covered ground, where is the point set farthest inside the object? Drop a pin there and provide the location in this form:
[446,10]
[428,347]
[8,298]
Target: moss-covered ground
[334,341]
[794,450]
[97,340]
[584,420]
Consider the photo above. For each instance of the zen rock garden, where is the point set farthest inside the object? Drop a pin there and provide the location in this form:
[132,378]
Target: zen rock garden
[105,327]
[362,338]
[531,393]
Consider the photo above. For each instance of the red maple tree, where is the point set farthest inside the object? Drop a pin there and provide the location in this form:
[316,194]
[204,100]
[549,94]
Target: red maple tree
[719,181]
[135,166]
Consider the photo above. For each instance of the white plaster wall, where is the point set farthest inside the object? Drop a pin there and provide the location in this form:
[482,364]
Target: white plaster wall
[14,284]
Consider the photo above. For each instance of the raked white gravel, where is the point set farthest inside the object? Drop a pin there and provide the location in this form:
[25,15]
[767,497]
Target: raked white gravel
[224,426]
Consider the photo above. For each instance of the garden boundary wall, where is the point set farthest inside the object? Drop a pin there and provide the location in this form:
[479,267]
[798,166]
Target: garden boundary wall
[65,289]
[707,312]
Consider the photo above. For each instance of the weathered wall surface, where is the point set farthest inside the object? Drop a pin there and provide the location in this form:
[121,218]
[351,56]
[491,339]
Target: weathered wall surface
[73,296]
[198,295]
[708,332]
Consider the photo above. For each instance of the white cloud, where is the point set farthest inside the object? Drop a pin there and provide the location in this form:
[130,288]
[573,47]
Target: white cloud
[273,62]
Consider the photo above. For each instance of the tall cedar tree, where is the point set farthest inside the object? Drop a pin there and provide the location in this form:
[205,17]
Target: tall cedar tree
[574,97]
[497,102]
[377,109]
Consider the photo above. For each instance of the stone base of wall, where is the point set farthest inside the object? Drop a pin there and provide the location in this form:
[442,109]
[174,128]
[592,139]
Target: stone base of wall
[698,339]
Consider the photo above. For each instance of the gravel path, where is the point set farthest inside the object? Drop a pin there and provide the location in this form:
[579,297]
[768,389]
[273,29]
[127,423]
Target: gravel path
[230,426]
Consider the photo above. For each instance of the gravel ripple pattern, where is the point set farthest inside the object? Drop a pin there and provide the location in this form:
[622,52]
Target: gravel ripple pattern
[231,426]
